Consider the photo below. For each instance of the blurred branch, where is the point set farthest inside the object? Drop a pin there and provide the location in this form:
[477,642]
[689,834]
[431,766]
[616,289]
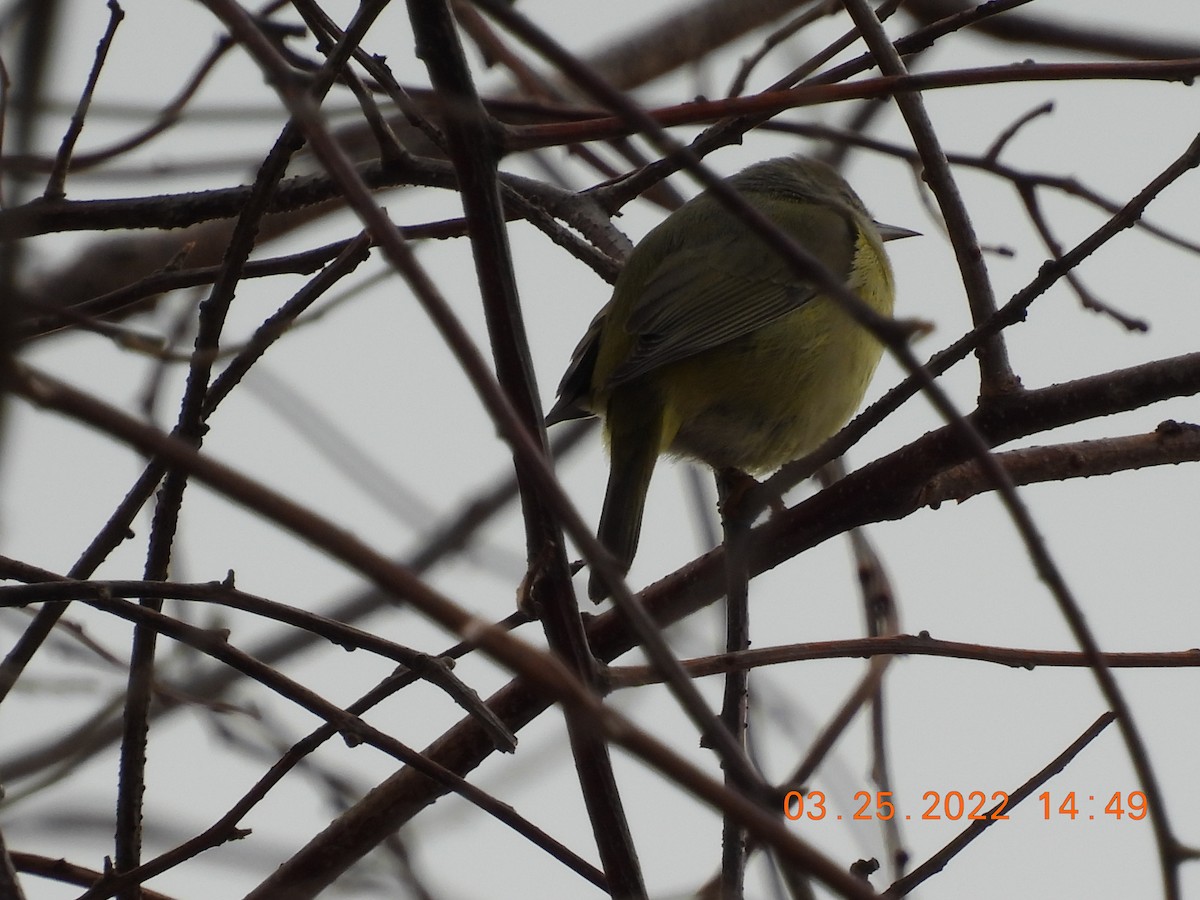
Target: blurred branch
[171,278]
[352,728]
[779,36]
[10,887]
[428,668]
[442,541]
[116,529]
[1040,30]
[684,37]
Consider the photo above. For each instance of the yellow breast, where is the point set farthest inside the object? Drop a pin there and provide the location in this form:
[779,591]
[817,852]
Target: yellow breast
[775,394]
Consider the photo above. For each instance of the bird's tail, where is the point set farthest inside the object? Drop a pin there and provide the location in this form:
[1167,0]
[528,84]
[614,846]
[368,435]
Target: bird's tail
[634,452]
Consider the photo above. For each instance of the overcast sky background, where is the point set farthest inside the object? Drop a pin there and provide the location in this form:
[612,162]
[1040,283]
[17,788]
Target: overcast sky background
[375,369]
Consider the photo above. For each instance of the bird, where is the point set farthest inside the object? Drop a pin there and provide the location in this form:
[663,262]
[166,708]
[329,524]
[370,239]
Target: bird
[713,348]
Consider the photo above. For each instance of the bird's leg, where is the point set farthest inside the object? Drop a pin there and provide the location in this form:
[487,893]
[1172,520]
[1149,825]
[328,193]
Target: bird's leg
[733,485]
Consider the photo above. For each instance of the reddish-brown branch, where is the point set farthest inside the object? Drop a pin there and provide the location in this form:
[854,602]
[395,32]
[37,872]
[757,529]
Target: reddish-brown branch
[526,137]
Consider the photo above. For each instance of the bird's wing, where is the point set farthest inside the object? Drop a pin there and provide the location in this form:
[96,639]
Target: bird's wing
[576,384]
[713,291]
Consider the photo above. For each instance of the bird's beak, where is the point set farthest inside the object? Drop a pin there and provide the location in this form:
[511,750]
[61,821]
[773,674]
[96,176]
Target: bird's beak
[895,232]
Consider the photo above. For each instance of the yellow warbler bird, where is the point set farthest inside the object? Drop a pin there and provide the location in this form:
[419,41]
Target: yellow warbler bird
[712,348]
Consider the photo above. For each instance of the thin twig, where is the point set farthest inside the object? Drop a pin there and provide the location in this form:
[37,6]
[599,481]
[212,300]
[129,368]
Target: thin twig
[431,669]
[996,375]
[902,887]
[445,538]
[785,31]
[345,723]
[904,645]
[1086,297]
[55,184]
